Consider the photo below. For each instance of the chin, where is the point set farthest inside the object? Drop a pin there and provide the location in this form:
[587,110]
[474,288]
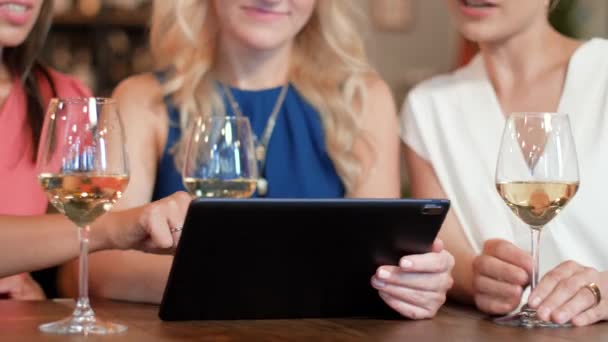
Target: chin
[480,33]
[261,40]
[12,36]
[9,40]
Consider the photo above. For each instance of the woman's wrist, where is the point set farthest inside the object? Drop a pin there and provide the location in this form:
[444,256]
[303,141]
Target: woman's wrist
[100,237]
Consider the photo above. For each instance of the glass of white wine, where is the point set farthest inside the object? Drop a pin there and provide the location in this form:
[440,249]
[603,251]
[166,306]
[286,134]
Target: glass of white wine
[82,167]
[536,176]
[220,158]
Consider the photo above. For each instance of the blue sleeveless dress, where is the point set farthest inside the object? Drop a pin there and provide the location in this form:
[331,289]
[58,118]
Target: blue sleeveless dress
[297,163]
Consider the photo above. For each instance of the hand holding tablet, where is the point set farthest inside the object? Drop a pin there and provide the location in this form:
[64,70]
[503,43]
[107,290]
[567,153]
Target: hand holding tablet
[417,287]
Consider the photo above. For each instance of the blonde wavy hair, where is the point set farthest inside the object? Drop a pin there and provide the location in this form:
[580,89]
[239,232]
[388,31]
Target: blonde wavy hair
[183,39]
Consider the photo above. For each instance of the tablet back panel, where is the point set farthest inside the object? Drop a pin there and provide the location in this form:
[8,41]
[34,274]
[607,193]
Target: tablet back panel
[264,258]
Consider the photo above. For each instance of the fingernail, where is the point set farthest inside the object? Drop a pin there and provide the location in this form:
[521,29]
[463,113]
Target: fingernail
[560,317]
[535,302]
[406,263]
[544,313]
[378,283]
[383,274]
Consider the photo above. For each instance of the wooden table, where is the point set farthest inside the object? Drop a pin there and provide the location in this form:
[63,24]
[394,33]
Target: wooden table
[19,322]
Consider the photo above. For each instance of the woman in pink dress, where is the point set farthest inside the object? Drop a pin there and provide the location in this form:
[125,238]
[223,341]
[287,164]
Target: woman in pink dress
[25,89]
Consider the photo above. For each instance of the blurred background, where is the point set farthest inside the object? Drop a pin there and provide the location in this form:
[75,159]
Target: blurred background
[100,41]
[104,41]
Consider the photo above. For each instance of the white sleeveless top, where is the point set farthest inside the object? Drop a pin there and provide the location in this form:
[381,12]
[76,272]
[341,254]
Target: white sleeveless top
[455,122]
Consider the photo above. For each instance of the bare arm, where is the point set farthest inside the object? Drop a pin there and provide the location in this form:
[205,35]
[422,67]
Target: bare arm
[424,184]
[35,242]
[381,176]
[131,275]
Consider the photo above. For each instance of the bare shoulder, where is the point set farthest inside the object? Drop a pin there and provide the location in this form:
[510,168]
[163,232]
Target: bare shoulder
[378,91]
[141,84]
[144,114]
[380,104]
[140,95]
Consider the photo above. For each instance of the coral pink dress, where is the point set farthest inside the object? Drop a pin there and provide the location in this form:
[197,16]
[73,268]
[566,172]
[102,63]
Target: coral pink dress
[20,193]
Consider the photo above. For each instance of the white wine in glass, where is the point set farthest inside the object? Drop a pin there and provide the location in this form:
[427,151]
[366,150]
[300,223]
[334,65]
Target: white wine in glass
[220,158]
[82,167]
[536,203]
[83,198]
[536,176]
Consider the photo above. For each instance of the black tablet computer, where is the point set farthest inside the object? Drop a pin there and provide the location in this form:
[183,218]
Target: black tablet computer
[292,258]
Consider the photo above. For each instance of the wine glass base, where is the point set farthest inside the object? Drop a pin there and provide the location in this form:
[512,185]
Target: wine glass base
[78,326]
[526,318]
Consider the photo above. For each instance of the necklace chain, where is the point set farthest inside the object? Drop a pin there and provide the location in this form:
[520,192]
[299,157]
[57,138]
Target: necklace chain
[261,145]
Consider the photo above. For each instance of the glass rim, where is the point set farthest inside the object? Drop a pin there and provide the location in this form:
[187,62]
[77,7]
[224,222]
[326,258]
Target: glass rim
[536,114]
[225,117]
[84,100]
[228,118]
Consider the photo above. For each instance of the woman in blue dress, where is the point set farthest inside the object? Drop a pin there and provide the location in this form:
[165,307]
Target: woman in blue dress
[335,134]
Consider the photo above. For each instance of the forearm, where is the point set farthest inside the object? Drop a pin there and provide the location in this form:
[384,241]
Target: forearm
[35,242]
[122,275]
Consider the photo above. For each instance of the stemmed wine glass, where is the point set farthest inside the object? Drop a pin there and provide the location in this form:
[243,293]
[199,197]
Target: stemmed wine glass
[82,167]
[536,175]
[220,158]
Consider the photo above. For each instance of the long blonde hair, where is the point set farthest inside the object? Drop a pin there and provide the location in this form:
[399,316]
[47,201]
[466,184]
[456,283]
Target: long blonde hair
[328,67]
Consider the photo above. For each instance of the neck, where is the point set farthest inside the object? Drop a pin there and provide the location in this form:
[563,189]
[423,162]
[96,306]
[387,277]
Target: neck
[252,69]
[4,73]
[6,81]
[526,55]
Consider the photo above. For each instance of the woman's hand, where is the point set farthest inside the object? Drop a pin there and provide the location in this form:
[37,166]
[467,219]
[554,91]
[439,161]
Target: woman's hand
[417,287]
[500,275]
[562,295]
[154,227]
[21,287]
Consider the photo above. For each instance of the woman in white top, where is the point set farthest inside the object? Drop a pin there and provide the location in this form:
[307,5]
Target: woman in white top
[451,126]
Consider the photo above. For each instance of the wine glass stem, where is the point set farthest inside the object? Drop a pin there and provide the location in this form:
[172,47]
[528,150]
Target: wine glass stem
[535,256]
[83,308]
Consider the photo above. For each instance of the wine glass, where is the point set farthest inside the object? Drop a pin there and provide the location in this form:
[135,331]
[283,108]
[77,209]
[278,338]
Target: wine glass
[536,176]
[220,158]
[82,167]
